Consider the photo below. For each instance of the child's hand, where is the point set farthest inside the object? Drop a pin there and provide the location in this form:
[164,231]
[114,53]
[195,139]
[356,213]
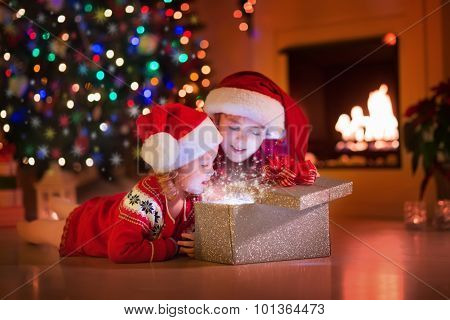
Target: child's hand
[187,246]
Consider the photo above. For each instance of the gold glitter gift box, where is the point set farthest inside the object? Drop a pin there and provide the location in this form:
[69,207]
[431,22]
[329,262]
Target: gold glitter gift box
[281,224]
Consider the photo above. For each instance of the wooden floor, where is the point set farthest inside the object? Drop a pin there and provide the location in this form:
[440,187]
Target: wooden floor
[371,259]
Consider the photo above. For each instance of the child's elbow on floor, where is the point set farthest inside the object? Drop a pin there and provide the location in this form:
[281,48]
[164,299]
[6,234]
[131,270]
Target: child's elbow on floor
[117,258]
[120,256]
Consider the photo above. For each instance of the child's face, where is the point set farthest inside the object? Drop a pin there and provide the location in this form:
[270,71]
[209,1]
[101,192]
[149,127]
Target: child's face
[242,137]
[194,176]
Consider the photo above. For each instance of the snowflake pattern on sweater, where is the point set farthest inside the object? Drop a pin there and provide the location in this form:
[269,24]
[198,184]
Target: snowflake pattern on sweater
[147,207]
[139,224]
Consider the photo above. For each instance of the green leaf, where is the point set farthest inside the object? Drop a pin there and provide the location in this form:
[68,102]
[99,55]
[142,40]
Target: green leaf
[415,160]
[409,134]
[429,151]
[424,183]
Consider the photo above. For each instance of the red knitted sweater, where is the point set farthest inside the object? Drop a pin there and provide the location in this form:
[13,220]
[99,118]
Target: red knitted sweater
[126,227]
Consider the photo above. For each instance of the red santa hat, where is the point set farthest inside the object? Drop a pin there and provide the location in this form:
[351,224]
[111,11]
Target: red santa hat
[174,135]
[253,95]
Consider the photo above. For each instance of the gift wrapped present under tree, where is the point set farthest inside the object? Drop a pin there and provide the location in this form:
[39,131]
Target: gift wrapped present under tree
[11,208]
[268,224]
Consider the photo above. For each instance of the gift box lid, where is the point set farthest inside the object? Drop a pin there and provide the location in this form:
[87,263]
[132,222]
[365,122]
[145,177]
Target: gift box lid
[302,197]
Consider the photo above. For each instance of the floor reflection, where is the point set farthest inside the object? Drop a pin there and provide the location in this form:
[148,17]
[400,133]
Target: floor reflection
[389,263]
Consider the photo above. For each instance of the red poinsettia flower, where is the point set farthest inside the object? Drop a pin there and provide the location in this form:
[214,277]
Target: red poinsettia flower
[441,88]
[412,110]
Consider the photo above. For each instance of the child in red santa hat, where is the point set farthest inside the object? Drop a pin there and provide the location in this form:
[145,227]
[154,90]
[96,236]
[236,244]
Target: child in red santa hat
[265,133]
[149,222]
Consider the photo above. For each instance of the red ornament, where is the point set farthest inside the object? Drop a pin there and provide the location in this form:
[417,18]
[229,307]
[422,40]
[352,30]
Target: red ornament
[79,57]
[82,142]
[7,151]
[56,153]
[64,121]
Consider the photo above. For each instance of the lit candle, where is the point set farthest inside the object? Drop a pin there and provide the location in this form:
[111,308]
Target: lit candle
[415,214]
[442,215]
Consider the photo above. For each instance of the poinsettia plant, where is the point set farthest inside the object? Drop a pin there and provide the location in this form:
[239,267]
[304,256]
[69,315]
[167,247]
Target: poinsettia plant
[427,134]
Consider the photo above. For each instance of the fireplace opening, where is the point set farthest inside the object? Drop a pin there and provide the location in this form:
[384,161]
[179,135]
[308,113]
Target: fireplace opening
[349,91]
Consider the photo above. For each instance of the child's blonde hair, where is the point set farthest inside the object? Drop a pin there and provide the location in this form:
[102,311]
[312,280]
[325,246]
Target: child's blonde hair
[166,181]
[216,118]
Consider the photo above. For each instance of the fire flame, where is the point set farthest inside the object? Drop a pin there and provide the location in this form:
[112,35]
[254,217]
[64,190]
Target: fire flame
[379,127]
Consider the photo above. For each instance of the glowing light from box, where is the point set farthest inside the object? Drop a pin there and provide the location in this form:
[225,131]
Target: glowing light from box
[235,192]
[233,201]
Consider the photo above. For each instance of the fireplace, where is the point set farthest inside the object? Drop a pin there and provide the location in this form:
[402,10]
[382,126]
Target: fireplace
[349,91]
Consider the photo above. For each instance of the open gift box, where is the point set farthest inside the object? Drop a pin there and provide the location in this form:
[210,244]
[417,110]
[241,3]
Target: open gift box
[281,224]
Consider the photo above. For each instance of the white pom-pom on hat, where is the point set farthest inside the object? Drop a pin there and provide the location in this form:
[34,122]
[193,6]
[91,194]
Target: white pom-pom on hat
[161,151]
[174,135]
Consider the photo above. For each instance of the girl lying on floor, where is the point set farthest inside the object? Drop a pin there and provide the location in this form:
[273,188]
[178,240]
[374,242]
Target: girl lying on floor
[153,221]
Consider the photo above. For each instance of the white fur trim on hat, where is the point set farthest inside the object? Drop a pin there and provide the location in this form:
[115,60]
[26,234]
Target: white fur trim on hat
[251,104]
[164,153]
[161,151]
[202,139]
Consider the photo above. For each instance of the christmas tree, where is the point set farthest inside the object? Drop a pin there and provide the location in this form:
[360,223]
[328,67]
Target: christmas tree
[76,74]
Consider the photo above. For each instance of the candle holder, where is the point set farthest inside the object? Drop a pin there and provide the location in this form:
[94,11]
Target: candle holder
[415,214]
[441,219]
